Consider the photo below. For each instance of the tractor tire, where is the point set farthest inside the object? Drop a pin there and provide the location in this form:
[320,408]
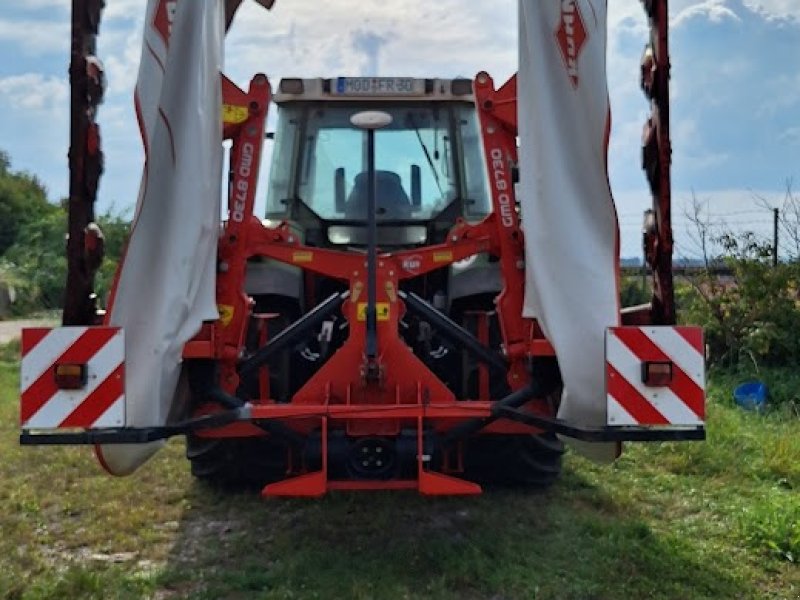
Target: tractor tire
[530,461]
[237,463]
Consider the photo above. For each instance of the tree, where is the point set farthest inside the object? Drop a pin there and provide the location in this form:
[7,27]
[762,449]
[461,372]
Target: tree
[23,199]
[32,242]
[115,228]
[37,263]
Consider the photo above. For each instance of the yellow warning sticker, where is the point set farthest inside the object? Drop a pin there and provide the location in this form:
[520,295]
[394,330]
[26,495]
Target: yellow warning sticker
[445,256]
[234,114]
[381,308]
[225,314]
[304,256]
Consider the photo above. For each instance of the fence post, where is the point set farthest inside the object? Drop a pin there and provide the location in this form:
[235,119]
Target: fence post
[775,221]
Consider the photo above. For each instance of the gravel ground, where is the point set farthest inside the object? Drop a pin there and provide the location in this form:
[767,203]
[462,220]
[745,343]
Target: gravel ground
[10,330]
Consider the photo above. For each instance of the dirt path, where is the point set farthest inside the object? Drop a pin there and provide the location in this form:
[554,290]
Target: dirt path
[10,330]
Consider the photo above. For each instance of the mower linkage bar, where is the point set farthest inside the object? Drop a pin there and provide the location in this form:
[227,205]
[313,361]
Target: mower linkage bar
[294,332]
[452,330]
[504,409]
[600,434]
[134,435]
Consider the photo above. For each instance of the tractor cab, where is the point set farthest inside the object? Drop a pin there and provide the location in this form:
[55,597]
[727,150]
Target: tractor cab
[428,159]
[430,172]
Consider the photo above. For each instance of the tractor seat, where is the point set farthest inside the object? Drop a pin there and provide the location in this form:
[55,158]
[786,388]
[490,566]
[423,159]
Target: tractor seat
[391,199]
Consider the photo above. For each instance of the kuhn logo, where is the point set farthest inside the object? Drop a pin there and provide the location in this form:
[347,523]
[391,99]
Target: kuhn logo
[164,17]
[571,37]
[412,264]
[242,186]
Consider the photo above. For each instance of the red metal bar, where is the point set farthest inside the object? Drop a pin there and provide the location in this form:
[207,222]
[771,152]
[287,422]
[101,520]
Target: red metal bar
[373,485]
[281,244]
[482,327]
[247,132]
[444,410]
[437,484]
[497,112]
[308,485]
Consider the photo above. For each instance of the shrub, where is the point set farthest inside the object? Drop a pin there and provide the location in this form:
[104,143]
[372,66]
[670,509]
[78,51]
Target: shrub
[753,316]
[37,266]
[632,293]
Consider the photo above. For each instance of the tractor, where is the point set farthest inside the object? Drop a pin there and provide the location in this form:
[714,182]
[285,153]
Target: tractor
[368,328]
[429,172]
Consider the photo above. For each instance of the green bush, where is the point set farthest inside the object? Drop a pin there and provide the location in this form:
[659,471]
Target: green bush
[783,384]
[752,317]
[33,243]
[23,200]
[632,293]
[36,264]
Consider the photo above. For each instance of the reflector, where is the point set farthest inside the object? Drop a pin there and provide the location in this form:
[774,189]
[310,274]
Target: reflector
[71,376]
[657,374]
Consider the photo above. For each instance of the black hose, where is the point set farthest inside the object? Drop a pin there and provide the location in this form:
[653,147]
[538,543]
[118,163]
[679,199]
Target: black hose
[467,428]
[545,379]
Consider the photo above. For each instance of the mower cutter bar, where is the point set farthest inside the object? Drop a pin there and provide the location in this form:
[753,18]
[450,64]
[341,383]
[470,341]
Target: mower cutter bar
[603,434]
[482,413]
[131,435]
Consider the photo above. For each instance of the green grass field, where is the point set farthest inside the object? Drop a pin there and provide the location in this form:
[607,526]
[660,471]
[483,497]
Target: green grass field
[719,519]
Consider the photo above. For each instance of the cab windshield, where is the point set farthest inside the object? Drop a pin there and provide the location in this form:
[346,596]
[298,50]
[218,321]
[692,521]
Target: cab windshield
[426,158]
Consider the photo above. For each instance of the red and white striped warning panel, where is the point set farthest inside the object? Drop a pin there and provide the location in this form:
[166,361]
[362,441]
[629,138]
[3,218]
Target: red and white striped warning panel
[655,375]
[72,377]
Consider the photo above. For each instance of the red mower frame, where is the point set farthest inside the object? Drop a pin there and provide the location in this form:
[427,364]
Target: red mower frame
[393,392]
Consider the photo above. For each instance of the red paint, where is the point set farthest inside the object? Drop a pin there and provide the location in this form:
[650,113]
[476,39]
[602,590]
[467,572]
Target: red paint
[571,36]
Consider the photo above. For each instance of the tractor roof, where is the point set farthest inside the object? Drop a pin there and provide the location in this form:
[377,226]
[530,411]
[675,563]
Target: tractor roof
[373,88]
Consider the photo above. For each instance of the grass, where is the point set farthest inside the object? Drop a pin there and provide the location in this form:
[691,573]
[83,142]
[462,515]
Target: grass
[718,519]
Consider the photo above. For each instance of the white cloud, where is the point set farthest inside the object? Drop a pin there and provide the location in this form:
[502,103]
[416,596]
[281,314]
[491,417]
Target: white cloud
[775,9]
[791,136]
[780,94]
[715,11]
[48,4]
[36,37]
[123,9]
[115,9]
[421,38]
[628,14]
[690,152]
[35,92]
[718,10]
[121,54]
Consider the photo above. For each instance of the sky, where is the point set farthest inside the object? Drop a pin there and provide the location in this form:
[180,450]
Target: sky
[735,87]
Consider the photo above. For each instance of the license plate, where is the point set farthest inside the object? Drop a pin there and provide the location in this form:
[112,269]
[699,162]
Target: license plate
[378,86]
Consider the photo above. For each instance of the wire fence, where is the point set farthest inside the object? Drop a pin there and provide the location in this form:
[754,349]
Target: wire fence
[773,221]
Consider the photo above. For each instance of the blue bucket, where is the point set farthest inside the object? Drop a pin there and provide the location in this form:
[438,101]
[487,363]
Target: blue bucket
[751,395]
